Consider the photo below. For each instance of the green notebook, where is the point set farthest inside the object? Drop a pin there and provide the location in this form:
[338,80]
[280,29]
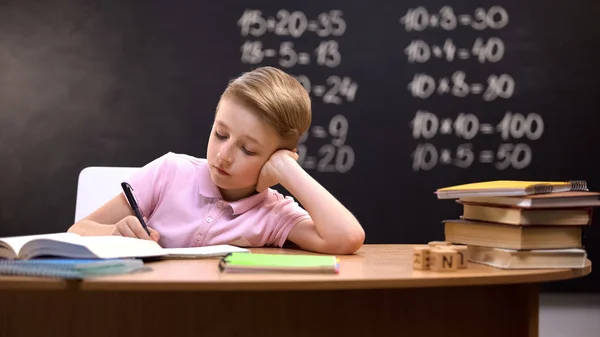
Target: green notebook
[250,262]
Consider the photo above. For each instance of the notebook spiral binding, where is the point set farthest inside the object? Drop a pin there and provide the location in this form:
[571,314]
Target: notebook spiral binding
[14,268]
[576,185]
[542,189]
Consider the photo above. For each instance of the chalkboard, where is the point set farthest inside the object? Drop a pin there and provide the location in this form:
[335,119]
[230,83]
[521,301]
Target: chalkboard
[408,96]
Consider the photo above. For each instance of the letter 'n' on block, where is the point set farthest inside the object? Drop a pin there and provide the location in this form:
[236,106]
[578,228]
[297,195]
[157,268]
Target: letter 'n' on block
[421,258]
[441,259]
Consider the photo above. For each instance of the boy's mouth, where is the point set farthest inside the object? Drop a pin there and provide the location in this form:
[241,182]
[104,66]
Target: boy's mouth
[221,171]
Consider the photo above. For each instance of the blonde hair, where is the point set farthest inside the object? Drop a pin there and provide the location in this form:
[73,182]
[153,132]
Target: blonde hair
[277,98]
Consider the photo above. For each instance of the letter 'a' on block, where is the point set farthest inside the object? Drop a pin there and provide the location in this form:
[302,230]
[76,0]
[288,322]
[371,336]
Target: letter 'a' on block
[421,258]
[443,259]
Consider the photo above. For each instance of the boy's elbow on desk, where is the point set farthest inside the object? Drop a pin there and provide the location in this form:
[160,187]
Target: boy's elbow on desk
[354,242]
[349,243]
[354,238]
[350,240]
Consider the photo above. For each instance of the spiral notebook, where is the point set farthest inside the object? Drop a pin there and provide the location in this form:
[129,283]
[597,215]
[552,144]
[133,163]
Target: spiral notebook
[70,268]
[497,188]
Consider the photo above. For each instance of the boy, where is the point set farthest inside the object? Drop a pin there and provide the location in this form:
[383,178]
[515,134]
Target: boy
[226,198]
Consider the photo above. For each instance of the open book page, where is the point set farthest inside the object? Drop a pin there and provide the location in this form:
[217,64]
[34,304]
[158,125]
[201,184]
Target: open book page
[120,247]
[105,247]
[17,242]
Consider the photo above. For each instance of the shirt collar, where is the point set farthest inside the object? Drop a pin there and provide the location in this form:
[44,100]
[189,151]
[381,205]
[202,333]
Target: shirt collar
[245,204]
[208,189]
[205,185]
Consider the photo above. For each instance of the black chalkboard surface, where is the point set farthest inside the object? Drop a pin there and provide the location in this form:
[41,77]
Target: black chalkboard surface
[407,96]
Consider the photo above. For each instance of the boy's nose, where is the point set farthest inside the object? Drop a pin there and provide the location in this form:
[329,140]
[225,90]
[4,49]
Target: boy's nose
[224,153]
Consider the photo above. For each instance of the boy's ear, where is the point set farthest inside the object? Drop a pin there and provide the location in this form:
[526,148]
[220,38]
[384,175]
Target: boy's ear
[288,145]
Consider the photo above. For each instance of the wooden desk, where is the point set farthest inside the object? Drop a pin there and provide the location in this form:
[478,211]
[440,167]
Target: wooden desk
[377,293]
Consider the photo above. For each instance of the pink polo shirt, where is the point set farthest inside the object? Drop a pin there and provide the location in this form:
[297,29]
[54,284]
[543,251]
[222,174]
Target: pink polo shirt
[177,195]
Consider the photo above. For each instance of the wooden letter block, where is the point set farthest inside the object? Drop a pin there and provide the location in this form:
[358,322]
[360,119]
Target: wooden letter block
[443,259]
[434,244]
[463,256]
[421,258]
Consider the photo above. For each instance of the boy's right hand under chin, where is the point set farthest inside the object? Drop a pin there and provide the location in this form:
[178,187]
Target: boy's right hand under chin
[130,226]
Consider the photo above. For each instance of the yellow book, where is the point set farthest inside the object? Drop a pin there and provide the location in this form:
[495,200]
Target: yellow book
[497,188]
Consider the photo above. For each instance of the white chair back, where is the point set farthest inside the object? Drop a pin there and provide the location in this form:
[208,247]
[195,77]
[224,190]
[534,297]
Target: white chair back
[97,185]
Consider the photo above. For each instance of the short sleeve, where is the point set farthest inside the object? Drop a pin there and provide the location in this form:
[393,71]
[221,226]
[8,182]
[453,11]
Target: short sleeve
[148,183]
[286,213]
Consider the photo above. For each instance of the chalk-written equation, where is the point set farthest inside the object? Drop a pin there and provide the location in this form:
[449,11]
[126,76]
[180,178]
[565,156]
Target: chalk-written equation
[326,54]
[431,129]
[427,125]
[484,50]
[295,23]
[336,156]
[496,86]
[418,19]
[257,28]
[516,127]
[426,156]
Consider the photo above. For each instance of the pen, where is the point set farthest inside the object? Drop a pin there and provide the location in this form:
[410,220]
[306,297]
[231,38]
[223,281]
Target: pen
[134,204]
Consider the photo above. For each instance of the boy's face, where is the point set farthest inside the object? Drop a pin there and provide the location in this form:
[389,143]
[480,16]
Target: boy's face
[238,146]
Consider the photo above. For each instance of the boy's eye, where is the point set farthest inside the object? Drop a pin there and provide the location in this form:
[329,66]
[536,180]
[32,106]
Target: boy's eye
[220,136]
[248,152]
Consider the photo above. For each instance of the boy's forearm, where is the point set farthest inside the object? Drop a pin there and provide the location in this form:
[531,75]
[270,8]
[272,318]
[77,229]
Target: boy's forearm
[91,228]
[334,222]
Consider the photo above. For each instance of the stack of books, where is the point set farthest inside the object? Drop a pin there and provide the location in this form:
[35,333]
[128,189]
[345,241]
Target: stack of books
[522,224]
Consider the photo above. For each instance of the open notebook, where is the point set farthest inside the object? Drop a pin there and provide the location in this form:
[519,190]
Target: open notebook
[70,245]
[509,188]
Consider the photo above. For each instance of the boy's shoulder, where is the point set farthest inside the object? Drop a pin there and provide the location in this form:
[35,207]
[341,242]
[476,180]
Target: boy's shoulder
[275,199]
[172,163]
[280,210]
[181,160]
